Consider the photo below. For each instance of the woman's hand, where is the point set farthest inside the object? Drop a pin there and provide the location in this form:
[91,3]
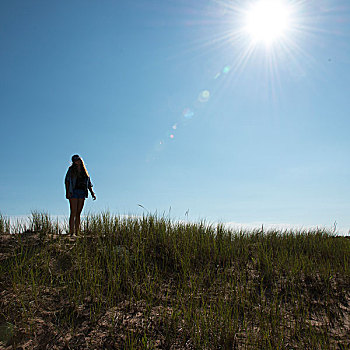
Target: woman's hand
[93,196]
[68,195]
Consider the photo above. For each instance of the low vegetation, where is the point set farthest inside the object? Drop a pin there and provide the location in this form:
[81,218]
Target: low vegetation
[152,283]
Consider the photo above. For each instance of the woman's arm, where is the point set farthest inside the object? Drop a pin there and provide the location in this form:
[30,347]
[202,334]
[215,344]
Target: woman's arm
[67,182]
[68,194]
[91,190]
[92,194]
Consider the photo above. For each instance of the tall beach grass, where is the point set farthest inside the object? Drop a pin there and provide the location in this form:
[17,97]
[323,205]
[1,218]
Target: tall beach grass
[150,282]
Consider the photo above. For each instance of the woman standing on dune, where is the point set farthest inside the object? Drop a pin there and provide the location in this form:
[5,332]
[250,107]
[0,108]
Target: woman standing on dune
[77,182]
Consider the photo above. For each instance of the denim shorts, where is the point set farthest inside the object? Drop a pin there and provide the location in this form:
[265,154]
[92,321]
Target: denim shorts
[78,194]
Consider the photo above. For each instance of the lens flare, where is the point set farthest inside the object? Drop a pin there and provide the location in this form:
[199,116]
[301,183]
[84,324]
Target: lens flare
[188,113]
[204,96]
[226,69]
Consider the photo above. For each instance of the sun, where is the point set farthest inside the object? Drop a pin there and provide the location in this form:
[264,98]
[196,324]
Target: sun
[267,21]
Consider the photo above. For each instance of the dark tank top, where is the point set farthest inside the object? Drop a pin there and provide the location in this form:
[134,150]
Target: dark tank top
[81,182]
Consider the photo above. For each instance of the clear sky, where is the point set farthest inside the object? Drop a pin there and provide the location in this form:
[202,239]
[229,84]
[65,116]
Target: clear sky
[174,103]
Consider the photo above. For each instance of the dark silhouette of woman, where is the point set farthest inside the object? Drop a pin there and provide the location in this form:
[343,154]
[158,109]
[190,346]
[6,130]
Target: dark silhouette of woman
[77,182]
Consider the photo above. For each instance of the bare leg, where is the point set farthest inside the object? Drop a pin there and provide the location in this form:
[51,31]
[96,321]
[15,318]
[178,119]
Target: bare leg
[80,207]
[73,202]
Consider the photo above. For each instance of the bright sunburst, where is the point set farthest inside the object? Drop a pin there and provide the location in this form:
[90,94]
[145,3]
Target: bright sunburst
[267,20]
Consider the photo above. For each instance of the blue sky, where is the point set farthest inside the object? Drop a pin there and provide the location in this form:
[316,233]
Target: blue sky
[163,103]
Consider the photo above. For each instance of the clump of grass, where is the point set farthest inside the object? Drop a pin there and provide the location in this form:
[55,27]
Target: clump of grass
[147,282]
[43,224]
[5,224]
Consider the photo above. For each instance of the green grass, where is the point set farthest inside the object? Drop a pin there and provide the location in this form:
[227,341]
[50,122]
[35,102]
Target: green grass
[147,283]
